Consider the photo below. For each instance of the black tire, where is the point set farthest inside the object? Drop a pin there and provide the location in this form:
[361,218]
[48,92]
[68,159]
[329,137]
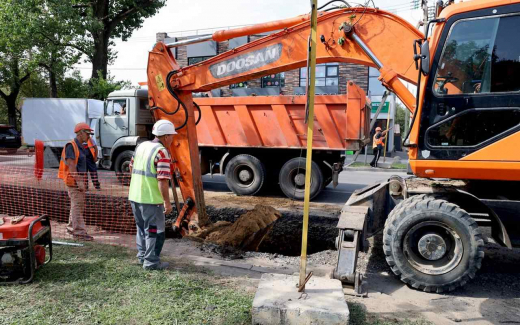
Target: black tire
[292,185]
[411,233]
[245,175]
[121,166]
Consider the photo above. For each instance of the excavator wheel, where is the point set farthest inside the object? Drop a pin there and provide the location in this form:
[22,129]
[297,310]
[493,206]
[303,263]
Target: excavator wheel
[432,245]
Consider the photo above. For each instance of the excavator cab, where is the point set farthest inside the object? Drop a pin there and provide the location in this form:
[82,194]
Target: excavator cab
[465,128]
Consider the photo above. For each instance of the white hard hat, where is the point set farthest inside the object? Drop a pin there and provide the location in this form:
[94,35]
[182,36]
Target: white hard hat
[163,127]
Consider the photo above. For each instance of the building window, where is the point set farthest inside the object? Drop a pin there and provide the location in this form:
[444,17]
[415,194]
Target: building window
[197,59]
[326,75]
[274,80]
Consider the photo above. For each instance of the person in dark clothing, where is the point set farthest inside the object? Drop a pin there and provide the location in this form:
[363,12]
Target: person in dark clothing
[378,145]
[91,154]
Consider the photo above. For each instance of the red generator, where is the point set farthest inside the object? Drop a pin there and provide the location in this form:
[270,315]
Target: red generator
[23,244]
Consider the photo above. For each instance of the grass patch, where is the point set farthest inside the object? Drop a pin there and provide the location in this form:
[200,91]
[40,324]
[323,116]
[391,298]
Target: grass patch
[399,166]
[359,316]
[101,284]
[359,164]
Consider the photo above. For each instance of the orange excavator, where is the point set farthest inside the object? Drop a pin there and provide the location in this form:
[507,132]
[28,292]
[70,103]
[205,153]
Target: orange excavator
[465,128]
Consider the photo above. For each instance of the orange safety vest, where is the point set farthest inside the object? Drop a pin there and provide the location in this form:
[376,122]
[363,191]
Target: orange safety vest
[377,141]
[64,172]
[92,149]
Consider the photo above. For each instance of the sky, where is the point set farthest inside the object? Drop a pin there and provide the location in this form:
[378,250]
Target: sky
[192,15]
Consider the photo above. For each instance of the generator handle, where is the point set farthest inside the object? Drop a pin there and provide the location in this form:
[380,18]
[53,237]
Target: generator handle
[31,247]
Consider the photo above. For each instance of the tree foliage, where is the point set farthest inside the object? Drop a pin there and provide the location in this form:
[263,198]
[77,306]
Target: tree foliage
[19,55]
[99,22]
[400,116]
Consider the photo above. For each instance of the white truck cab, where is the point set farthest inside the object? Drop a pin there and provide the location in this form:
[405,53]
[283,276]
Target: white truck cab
[126,122]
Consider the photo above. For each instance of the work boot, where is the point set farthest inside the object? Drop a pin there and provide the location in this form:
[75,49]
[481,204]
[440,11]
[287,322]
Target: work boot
[159,267]
[84,237]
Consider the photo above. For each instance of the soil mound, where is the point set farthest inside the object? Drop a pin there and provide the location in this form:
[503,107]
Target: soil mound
[246,233]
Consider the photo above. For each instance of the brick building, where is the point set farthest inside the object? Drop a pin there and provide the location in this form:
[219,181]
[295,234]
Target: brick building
[331,78]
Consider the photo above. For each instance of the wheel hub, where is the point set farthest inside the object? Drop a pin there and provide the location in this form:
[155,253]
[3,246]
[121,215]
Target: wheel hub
[125,167]
[432,247]
[299,179]
[244,175]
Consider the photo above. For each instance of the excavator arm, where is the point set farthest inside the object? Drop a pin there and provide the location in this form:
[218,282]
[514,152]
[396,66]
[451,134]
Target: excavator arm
[355,35]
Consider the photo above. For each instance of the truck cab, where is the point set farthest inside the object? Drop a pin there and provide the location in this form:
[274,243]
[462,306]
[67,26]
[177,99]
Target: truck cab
[126,122]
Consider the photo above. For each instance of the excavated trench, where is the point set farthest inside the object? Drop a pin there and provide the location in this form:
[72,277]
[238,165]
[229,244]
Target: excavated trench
[286,235]
[114,214]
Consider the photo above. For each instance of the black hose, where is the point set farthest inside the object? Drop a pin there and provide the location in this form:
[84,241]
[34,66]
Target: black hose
[328,3]
[180,103]
[200,113]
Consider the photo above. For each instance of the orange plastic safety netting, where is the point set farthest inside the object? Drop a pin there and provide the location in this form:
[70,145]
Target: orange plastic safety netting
[28,188]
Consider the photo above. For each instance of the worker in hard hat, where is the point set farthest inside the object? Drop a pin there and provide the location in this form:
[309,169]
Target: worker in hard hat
[149,194]
[378,145]
[73,168]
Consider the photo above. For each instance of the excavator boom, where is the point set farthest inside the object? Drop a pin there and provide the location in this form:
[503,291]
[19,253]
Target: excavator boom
[171,87]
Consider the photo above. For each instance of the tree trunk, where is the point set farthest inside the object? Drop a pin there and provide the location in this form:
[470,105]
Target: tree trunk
[100,59]
[11,109]
[53,84]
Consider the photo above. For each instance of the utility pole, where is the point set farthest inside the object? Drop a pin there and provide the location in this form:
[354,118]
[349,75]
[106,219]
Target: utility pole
[424,5]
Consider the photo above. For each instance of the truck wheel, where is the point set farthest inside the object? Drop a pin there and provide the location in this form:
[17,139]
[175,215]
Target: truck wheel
[432,245]
[122,166]
[292,179]
[245,175]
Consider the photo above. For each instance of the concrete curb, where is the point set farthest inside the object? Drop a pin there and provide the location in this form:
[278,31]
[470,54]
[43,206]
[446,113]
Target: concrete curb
[208,262]
[379,170]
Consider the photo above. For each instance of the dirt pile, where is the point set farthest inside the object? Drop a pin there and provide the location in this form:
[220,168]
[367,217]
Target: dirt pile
[246,233]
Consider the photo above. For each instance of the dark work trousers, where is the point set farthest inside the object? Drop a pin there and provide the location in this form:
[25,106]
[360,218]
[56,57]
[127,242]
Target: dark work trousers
[92,170]
[150,236]
[377,153]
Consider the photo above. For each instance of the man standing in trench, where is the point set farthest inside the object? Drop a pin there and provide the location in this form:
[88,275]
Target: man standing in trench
[73,168]
[149,194]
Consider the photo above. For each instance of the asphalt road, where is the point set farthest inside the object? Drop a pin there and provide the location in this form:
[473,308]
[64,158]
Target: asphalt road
[349,181]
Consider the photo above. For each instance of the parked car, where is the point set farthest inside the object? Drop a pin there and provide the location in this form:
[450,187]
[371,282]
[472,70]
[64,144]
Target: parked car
[10,139]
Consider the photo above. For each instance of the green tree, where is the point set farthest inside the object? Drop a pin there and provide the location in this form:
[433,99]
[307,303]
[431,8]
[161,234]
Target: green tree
[18,56]
[400,116]
[100,22]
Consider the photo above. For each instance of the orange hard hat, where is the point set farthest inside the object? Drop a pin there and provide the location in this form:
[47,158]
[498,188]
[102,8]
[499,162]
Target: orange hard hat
[378,129]
[82,127]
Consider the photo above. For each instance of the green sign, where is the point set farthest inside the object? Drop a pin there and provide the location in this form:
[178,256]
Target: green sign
[375,106]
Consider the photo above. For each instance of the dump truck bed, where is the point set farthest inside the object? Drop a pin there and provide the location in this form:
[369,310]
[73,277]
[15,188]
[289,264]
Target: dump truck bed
[341,121]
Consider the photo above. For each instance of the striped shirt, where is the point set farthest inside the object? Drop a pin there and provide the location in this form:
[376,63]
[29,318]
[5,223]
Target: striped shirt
[162,162]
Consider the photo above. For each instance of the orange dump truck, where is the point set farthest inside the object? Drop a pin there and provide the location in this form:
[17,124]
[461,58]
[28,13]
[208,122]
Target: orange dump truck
[255,141]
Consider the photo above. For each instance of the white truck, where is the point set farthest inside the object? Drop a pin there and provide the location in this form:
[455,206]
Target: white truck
[119,124]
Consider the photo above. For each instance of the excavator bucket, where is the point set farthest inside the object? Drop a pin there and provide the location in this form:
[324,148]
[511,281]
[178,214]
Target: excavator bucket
[363,216]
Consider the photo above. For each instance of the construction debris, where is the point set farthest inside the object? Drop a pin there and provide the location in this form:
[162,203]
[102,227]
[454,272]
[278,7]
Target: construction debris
[246,233]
